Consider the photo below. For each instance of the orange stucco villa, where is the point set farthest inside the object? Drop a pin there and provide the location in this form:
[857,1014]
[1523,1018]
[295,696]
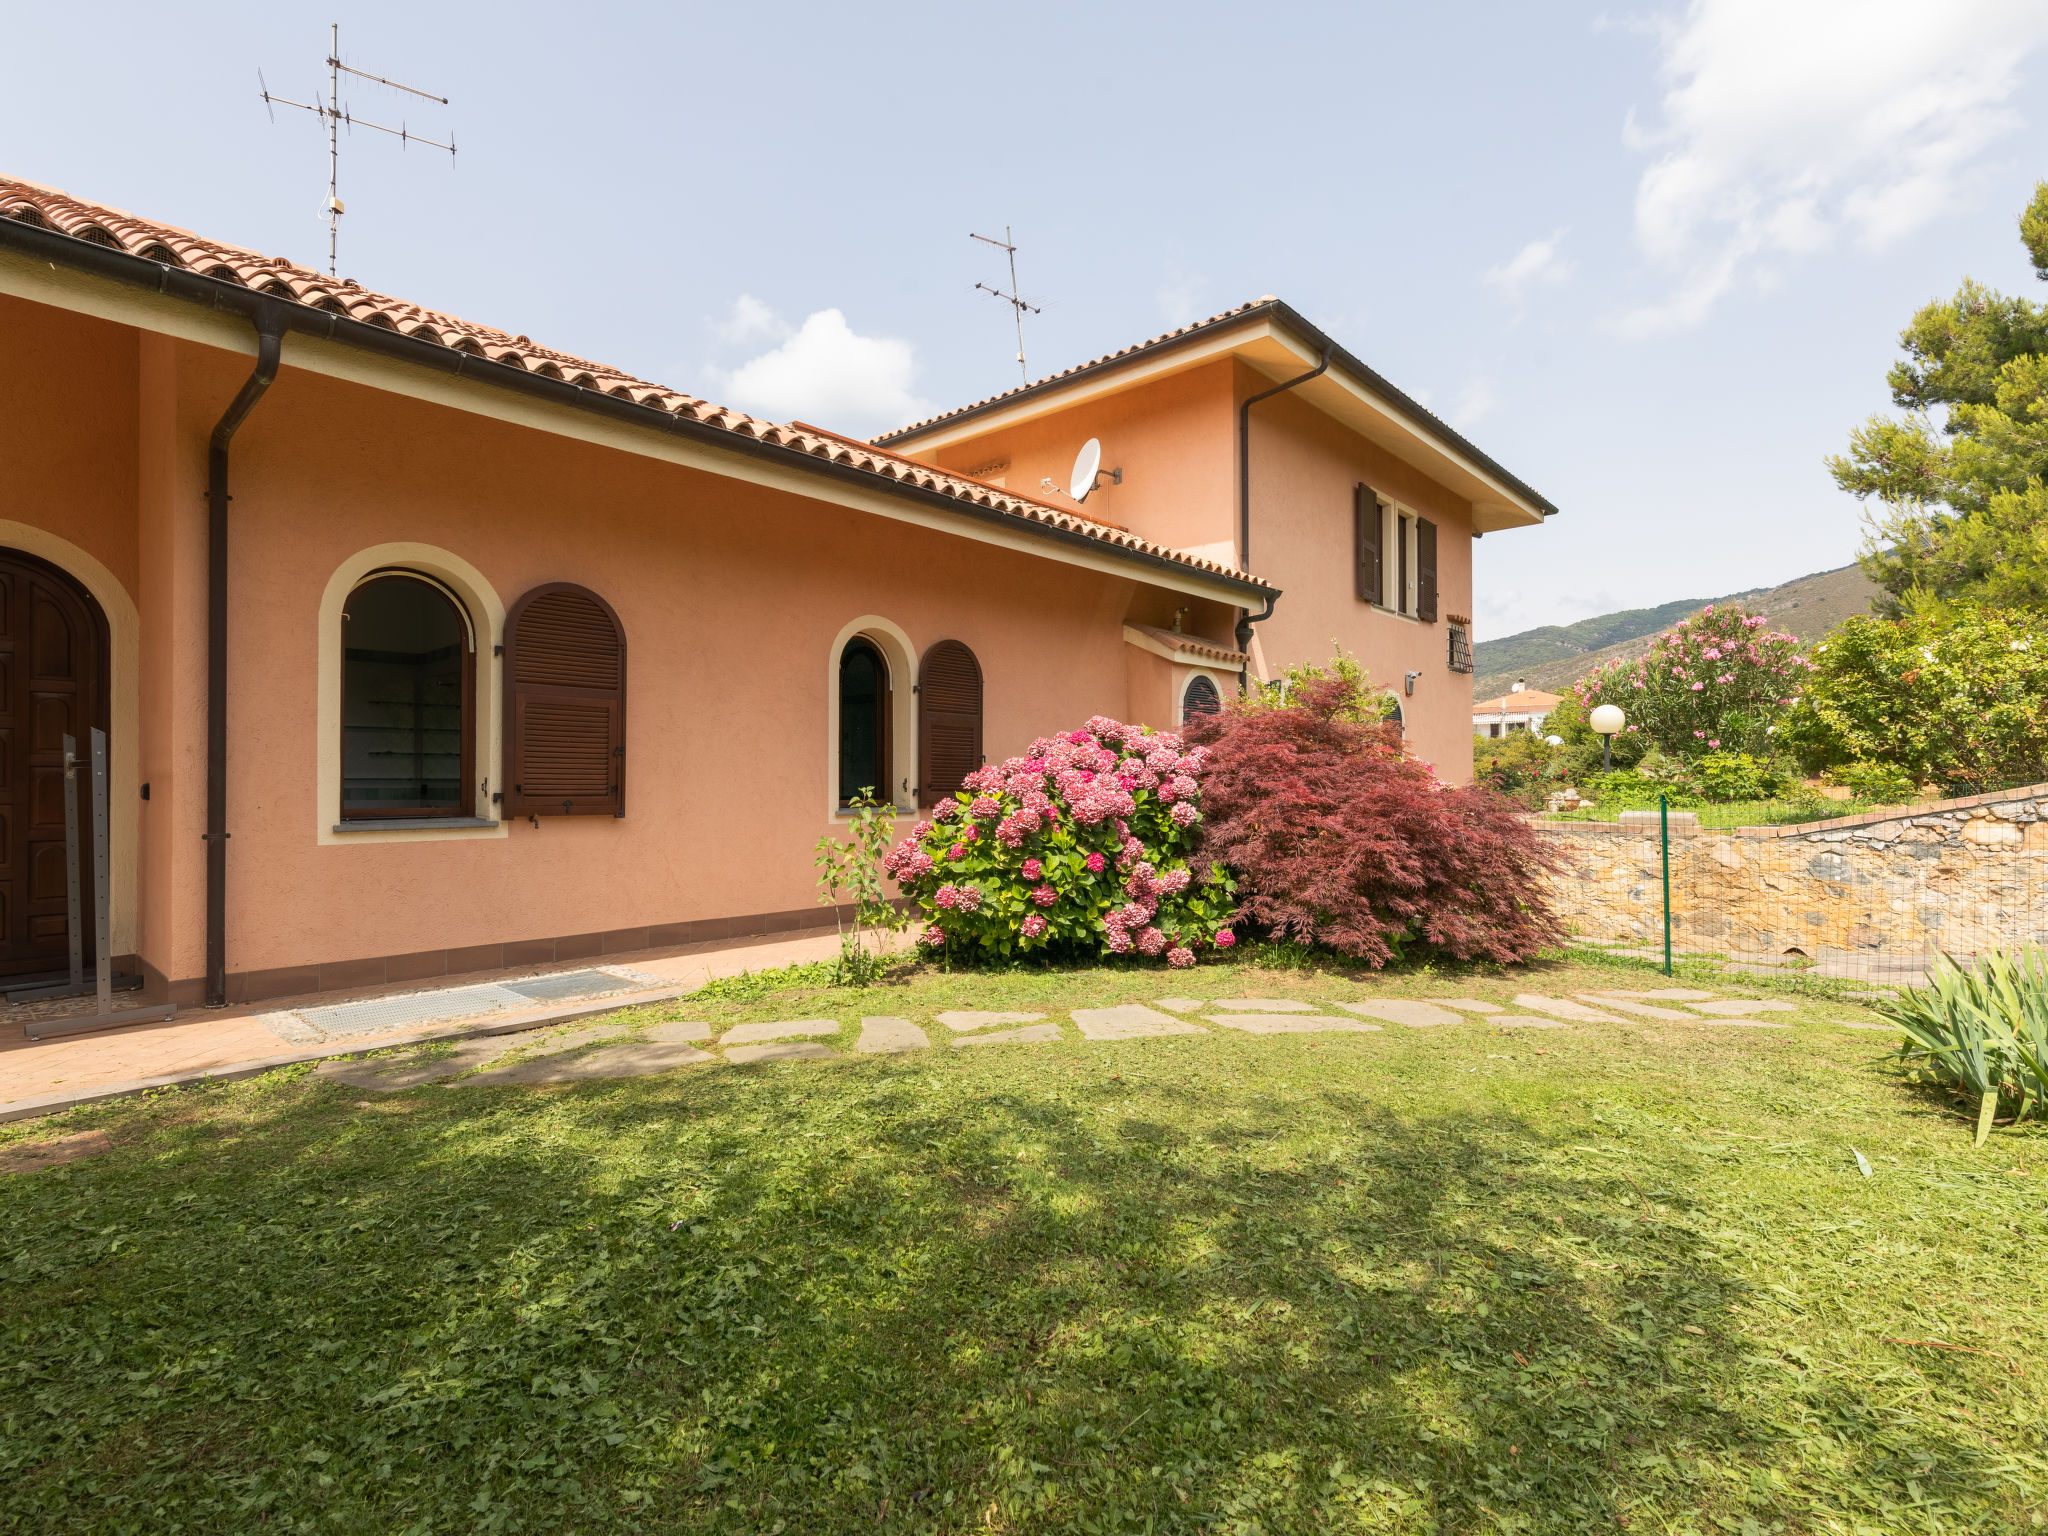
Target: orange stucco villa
[423,649]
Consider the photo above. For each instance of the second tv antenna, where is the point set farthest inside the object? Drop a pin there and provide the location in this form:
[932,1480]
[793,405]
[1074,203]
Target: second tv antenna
[335,115]
[1010,298]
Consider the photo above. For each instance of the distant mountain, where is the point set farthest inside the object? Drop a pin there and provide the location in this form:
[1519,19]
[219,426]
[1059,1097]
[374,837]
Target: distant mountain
[1557,655]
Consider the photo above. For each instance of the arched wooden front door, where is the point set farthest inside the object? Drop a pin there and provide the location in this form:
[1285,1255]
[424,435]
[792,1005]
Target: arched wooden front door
[53,668]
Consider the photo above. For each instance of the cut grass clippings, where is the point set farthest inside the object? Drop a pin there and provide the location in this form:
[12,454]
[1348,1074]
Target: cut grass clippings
[1610,1278]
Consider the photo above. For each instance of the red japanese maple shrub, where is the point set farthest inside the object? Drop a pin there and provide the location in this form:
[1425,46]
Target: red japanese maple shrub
[1340,841]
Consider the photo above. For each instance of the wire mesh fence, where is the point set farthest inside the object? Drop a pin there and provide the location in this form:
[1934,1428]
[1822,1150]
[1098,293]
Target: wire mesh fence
[1870,895]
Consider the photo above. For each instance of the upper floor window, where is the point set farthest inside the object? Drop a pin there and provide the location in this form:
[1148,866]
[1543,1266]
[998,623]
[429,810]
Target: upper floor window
[407,699]
[864,721]
[1394,555]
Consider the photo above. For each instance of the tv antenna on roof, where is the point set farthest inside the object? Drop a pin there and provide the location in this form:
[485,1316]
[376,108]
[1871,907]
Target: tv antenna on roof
[1010,298]
[336,115]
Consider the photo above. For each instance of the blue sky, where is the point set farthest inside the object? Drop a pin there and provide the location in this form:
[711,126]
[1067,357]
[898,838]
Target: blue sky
[1653,259]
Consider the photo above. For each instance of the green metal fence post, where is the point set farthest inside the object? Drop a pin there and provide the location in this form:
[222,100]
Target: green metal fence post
[1664,825]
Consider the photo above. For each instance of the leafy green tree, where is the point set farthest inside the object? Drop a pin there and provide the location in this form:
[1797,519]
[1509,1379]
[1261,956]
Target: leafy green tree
[1958,700]
[1961,515]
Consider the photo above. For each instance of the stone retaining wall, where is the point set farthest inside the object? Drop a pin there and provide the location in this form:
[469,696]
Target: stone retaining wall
[1959,876]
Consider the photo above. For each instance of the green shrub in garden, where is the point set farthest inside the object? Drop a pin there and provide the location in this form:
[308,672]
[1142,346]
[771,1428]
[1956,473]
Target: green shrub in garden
[1958,700]
[1983,1028]
[1079,847]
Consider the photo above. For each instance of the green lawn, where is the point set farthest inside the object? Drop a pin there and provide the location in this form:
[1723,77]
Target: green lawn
[1458,1279]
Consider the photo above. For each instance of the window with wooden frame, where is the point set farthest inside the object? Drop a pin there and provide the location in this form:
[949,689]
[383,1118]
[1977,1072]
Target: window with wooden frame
[1394,557]
[865,720]
[948,720]
[408,700]
[565,705]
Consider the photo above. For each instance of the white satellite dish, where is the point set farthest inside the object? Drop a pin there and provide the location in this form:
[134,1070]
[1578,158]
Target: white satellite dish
[1087,465]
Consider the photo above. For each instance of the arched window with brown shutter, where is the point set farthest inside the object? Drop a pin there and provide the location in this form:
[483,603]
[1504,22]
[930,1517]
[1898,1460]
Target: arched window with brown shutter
[565,705]
[948,720]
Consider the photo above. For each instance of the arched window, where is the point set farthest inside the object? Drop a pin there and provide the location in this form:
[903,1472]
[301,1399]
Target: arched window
[1395,717]
[407,700]
[1200,698]
[948,719]
[863,721]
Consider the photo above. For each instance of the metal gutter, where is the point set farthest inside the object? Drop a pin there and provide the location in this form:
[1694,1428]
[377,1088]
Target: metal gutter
[1281,313]
[57,248]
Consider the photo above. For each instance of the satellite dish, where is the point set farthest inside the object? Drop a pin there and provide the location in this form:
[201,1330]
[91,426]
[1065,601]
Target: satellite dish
[1087,465]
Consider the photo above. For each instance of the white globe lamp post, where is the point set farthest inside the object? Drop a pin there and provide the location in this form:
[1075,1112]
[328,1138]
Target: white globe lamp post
[1607,723]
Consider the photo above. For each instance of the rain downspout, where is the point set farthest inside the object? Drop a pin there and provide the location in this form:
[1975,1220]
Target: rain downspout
[270,327]
[1244,510]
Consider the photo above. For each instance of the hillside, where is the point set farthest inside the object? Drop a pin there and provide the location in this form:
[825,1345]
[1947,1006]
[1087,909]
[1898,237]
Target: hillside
[1558,655]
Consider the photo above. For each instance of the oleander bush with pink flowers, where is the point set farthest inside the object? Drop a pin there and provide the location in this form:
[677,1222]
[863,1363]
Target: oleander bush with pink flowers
[1082,846]
[1716,682]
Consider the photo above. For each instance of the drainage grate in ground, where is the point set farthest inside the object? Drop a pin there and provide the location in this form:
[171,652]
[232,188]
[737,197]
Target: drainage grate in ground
[340,1020]
[569,985]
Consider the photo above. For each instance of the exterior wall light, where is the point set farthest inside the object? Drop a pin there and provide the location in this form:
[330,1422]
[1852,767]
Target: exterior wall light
[1408,686]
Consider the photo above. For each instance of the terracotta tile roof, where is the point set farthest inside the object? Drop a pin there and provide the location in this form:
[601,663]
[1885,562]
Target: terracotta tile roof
[1528,701]
[1187,645]
[1403,403]
[49,208]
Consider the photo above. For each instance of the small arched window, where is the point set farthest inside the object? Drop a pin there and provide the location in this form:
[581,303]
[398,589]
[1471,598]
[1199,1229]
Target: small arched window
[948,719]
[863,721]
[1395,717]
[1199,698]
[407,700]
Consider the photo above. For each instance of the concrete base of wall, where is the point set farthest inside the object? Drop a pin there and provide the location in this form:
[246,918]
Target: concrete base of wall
[427,965]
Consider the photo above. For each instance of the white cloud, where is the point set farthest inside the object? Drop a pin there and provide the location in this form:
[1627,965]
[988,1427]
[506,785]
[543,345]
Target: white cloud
[1475,402]
[824,372]
[750,321]
[1537,262]
[1788,125]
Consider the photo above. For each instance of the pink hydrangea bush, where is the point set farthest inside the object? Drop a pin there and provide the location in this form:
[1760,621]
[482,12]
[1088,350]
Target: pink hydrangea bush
[1081,846]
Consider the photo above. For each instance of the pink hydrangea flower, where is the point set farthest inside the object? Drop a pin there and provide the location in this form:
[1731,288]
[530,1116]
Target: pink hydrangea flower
[1116,941]
[1225,938]
[948,896]
[1095,863]
[1033,926]
[1151,941]
[1180,957]
[1173,882]
[945,810]
[986,806]
[969,898]
[1044,895]
[1033,869]
[1185,815]
[957,851]
[933,935]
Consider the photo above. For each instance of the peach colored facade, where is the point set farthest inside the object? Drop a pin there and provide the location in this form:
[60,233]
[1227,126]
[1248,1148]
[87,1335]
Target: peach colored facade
[739,577]
[1173,429]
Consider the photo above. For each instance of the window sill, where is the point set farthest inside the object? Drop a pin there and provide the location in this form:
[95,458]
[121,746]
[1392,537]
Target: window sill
[418,824]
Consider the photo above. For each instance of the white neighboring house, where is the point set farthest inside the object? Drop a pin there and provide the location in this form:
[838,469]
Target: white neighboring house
[1523,709]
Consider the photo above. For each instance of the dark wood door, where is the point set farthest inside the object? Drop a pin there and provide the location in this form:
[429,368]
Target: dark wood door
[53,649]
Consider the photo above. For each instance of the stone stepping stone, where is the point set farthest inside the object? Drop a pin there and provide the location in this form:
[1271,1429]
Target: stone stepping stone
[1890,1029]
[1469,1005]
[884,1036]
[748,1034]
[1415,1015]
[1739,1007]
[1881,996]
[1263,1005]
[1564,1008]
[677,1032]
[390,1074]
[605,1061]
[785,1050]
[1668,994]
[1035,1034]
[1131,1021]
[1290,1023]
[1640,1010]
[1523,1021]
[1741,1024]
[568,1039]
[975,1018]
[1180,1004]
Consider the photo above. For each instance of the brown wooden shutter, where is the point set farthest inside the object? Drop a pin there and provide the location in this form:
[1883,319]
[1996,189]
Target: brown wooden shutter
[948,720]
[1366,544]
[565,705]
[1425,570]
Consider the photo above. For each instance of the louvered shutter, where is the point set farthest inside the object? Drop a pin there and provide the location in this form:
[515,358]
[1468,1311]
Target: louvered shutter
[948,720]
[1425,570]
[565,705]
[1366,544]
